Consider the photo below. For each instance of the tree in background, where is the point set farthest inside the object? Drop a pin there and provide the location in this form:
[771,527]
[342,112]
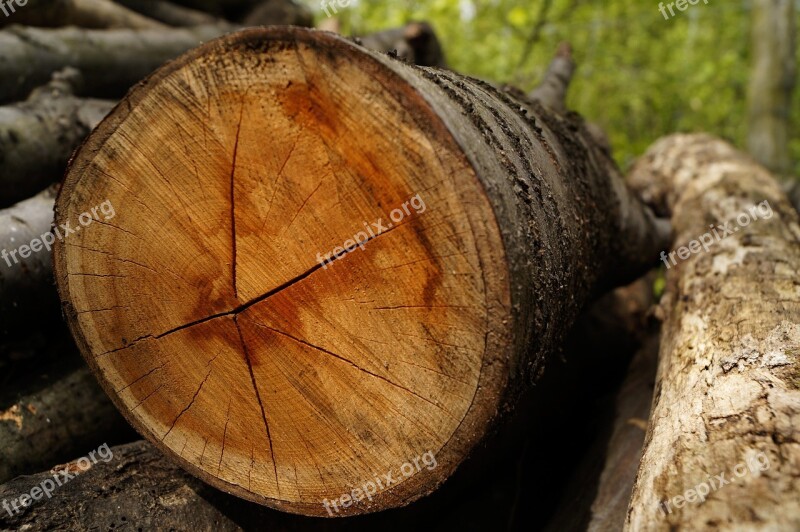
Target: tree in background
[772,82]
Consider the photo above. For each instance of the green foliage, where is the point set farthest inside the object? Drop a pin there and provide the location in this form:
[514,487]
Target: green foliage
[639,76]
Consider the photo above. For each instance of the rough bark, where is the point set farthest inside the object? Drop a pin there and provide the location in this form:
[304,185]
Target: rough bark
[529,220]
[98,14]
[772,81]
[56,424]
[111,61]
[38,136]
[727,398]
[26,292]
[172,14]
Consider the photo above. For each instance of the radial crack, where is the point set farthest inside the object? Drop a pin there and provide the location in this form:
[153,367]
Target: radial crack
[260,402]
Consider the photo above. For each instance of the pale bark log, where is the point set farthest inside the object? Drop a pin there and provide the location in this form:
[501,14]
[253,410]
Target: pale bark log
[727,397]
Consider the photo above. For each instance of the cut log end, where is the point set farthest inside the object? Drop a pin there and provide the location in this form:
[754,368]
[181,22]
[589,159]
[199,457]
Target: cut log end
[355,310]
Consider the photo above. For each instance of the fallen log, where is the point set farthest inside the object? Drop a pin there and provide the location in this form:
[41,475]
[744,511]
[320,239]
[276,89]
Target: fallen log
[172,14]
[279,12]
[38,136]
[496,221]
[26,276]
[723,444]
[111,61]
[609,507]
[98,14]
[415,43]
[128,485]
[56,424]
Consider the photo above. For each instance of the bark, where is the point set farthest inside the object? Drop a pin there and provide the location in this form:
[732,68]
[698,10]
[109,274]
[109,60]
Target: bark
[531,219]
[137,487]
[111,61]
[772,81]
[172,14]
[727,395]
[624,448]
[26,293]
[99,14]
[38,136]
[56,424]
[415,43]
[280,12]
[552,91]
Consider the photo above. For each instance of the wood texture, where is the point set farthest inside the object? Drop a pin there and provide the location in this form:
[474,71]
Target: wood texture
[204,310]
[727,398]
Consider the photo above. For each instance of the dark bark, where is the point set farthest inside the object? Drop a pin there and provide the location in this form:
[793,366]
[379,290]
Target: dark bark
[172,14]
[100,14]
[27,299]
[279,12]
[55,424]
[38,136]
[415,43]
[111,61]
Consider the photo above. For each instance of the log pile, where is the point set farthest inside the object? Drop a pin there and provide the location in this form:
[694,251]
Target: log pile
[320,276]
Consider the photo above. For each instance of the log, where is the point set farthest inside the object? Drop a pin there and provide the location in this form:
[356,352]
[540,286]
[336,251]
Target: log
[111,61]
[136,487]
[56,424]
[38,136]
[624,448]
[200,308]
[26,276]
[415,43]
[723,445]
[172,14]
[98,14]
[280,12]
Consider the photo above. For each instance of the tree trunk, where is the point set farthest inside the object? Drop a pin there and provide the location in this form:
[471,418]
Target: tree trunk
[390,205]
[723,445]
[111,61]
[38,136]
[100,14]
[772,81]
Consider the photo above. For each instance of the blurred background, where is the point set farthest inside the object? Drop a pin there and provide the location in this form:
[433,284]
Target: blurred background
[640,76]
